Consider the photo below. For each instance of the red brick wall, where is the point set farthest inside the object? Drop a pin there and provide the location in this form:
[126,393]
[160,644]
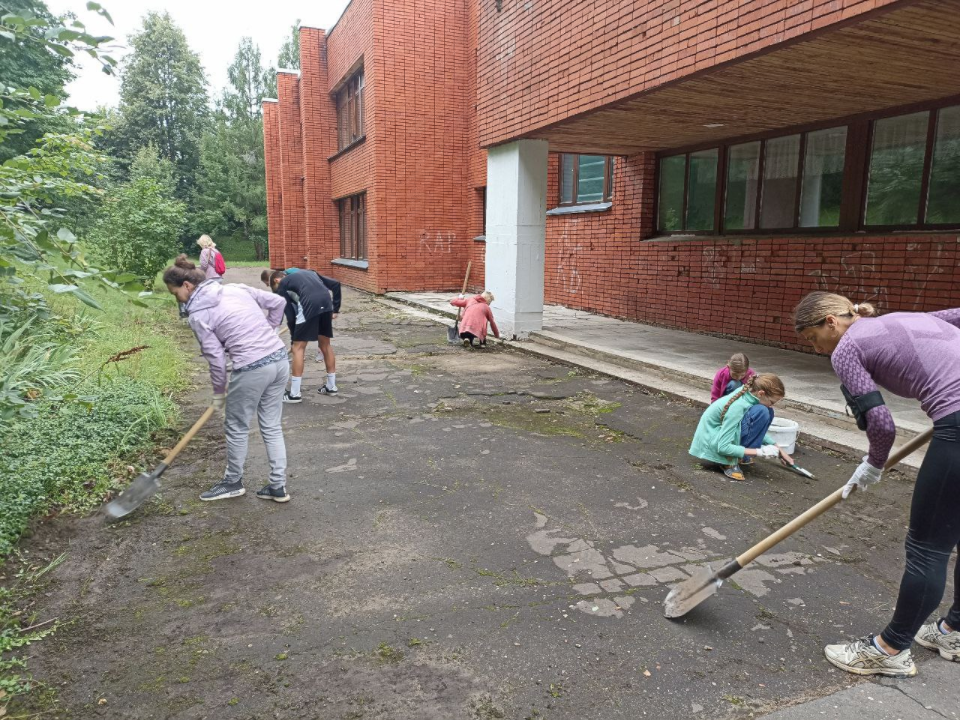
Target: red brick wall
[745,287]
[318,123]
[546,61]
[423,236]
[291,170]
[476,157]
[271,154]
[349,44]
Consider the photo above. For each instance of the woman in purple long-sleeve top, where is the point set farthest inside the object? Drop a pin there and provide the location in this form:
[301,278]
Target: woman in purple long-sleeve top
[229,320]
[914,355]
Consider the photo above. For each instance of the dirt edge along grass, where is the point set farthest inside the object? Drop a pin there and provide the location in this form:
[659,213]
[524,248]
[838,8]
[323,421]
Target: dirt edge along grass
[126,364]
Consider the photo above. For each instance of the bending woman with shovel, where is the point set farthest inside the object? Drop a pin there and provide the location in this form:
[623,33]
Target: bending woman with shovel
[914,355]
[229,320]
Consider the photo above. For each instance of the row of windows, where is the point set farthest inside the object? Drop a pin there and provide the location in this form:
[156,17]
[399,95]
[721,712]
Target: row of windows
[815,180]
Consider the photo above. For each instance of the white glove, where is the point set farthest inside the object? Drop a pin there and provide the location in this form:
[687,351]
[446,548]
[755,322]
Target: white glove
[219,402]
[461,296]
[866,474]
[768,451]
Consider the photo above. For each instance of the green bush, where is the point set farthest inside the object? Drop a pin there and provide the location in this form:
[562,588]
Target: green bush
[64,456]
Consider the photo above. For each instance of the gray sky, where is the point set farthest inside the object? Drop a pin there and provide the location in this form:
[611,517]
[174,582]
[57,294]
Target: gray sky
[213,29]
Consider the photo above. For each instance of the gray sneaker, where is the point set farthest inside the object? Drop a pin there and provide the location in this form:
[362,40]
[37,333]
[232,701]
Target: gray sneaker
[948,644]
[223,490]
[862,658]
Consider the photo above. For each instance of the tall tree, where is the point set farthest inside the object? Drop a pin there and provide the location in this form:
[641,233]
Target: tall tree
[247,83]
[28,61]
[289,58]
[163,98]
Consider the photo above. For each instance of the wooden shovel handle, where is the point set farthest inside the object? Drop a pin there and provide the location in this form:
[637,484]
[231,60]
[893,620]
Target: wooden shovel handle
[189,436]
[466,279]
[821,507]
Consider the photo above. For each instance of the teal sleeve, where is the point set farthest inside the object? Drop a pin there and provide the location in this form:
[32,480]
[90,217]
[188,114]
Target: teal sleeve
[767,440]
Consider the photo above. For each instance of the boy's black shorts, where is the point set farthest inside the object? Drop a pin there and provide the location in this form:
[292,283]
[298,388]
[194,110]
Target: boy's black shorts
[313,328]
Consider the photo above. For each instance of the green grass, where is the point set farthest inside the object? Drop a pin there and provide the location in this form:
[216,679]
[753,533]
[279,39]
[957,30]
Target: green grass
[124,364]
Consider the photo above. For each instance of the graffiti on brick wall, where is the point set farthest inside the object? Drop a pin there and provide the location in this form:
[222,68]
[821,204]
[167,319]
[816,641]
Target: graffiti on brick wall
[714,260]
[855,277]
[568,276]
[437,241]
[933,267]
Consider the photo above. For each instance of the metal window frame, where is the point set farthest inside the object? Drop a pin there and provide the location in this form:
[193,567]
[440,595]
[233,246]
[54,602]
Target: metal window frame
[856,173]
[608,175]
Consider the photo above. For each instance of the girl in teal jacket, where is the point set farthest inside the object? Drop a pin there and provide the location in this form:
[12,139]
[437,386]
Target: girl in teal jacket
[733,430]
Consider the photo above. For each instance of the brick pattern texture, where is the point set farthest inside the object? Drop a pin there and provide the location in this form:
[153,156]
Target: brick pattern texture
[271,155]
[291,170]
[543,62]
[746,287]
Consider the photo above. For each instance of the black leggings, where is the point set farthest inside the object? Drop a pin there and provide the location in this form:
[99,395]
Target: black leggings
[934,533]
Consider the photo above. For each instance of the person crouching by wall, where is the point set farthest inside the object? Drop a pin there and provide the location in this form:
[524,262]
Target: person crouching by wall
[476,315]
[228,320]
[733,430]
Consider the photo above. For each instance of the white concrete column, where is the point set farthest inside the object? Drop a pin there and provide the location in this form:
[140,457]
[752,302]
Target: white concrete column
[516,232]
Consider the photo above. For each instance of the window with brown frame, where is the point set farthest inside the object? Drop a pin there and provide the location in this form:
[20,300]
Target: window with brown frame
[350,111]
[884,173]
[353,227]
[585,179]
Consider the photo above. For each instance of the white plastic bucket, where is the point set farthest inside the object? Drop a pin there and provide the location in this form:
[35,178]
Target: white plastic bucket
[784,433]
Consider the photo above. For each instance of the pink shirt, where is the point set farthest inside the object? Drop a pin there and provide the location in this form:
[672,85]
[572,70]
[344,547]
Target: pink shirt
[476,315]
[720,381]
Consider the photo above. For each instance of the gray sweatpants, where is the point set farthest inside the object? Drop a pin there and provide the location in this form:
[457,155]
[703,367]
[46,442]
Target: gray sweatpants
[260,390]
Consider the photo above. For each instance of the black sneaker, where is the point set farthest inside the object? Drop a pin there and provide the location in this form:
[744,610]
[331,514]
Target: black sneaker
[324,390]
[223,490]
[276,494]
[288,398]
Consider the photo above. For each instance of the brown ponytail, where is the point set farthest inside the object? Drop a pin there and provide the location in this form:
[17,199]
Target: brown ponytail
[771,385]
[815,307]
[183,271]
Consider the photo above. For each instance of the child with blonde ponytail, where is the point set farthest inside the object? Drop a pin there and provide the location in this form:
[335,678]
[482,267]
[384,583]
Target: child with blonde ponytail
[733,430]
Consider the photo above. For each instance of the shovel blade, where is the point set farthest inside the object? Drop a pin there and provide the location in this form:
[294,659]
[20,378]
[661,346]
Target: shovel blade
[144,487]
[453,334]
[685,596]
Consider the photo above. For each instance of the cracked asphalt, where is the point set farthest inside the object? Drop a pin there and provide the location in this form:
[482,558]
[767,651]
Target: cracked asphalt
[474,534]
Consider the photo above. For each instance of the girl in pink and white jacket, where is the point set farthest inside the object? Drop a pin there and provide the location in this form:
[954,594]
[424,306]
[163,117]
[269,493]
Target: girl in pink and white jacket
[229,320]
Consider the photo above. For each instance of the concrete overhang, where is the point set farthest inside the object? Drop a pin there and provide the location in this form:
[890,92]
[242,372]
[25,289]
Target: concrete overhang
[904,55]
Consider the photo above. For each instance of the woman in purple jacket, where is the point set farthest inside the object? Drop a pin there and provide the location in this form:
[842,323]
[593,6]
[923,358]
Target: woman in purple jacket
[229,320]
[914,355]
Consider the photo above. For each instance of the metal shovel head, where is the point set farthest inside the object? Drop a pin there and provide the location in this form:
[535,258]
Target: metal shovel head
[453,334]
[685,596]
[144,487]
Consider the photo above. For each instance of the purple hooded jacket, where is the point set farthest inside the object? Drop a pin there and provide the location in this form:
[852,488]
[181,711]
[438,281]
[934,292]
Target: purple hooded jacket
[229,320]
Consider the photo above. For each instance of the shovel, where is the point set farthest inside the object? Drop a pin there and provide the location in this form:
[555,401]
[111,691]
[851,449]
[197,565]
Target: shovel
[146,485]
[453,332]
[687,595]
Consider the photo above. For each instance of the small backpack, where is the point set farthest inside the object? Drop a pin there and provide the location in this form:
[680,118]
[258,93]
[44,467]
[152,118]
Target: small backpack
[218,264]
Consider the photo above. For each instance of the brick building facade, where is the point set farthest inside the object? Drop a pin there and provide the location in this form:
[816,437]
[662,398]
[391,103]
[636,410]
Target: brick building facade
[762,149]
